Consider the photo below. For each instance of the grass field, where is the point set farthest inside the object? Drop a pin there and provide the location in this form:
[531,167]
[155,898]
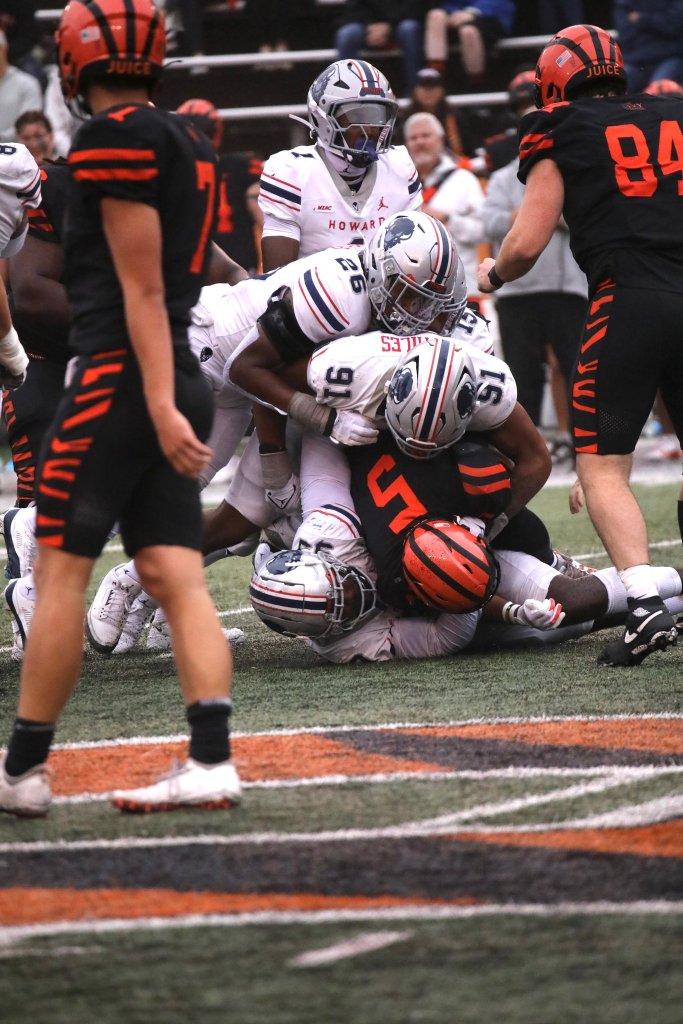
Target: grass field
[490,837]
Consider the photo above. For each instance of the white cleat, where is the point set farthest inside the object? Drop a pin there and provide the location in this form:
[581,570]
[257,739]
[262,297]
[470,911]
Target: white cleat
[159,636]
[141,611]
[234,636]
[201,786]
[27,795]
[19,531]
[107,614]
[20,596]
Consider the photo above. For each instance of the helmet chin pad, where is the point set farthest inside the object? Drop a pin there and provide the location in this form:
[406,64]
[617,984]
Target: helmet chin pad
[363,157]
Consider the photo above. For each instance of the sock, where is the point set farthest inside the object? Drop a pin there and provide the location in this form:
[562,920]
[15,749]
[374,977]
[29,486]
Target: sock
[209,733]
[666,579]
[29,745]
[639,582]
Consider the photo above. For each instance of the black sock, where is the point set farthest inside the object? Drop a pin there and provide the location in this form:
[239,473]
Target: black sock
[29,745]
[680,518]
[209,733]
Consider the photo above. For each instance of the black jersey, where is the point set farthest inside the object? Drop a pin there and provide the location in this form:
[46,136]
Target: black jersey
[621,159]
[145,155]
[46,224]
[391,491]
[234,230]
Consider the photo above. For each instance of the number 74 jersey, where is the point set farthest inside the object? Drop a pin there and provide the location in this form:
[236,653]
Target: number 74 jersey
[353,373]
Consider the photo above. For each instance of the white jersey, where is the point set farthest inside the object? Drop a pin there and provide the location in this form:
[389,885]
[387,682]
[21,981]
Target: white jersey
[329,295]
[302,197]
[336,531]
[352,373]
[19,191]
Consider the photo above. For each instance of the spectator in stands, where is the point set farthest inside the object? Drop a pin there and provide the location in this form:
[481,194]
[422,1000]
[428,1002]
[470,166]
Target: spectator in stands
[18,92]
[450,193]
[499,149]
[380,24]
[651,39]
[429,97]
[34,130]
[555,14]
[239,219]
[18,22]
[476,29]
[273,19]
[64,124]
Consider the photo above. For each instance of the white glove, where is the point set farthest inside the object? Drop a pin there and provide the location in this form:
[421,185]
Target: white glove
[351,428]
[13,361]
[545,614]
[286,497]
[474,525]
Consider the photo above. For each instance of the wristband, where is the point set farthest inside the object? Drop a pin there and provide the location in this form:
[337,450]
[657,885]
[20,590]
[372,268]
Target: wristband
[304,410]
[495,280]
[510,612]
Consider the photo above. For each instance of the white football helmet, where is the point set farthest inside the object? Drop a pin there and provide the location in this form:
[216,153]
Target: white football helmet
[431,397]
[352,111]
[411,267]
[448,319]
[300,593]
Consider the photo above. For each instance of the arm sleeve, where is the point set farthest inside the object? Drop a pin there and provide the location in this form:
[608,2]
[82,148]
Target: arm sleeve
[433,638]
[280,196]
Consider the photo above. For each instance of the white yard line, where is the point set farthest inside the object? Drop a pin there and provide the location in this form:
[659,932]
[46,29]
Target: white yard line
[367,942]
[11,935]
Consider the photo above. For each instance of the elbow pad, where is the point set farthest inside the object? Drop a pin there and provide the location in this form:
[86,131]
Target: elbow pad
[279,325]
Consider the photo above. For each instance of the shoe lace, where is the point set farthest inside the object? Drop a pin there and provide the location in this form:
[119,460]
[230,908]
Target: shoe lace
[115,603]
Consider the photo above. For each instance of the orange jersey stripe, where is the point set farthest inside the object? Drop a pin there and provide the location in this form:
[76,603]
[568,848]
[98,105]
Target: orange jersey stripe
[117,174]
[111,154]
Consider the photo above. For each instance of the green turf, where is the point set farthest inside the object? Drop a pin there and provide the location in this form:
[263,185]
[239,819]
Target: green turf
[524,970]
[621,970]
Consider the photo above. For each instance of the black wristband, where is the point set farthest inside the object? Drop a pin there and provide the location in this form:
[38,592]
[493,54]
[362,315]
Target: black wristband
[331,420]
[495,280]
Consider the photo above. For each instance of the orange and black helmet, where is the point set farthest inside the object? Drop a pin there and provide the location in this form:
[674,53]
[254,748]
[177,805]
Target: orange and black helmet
[575,56]
[448,568]
[664,87]
[109,39]
[206,116]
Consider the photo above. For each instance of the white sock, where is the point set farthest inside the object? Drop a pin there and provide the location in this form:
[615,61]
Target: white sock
[667,584]
[639,581]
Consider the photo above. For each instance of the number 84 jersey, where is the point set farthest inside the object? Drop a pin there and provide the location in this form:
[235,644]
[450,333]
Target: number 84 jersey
[352,373]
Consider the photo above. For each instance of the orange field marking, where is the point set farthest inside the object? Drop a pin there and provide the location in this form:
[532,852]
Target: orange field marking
[661,840]
[661,736]
[101,769]
[25,906]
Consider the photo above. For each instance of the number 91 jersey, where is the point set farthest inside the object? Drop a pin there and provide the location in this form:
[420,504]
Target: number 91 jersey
[621,159]
[352,373]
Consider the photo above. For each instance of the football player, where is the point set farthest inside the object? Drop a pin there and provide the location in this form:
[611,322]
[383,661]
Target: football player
[128,439]
[319,592]
[610,163]
[341,189]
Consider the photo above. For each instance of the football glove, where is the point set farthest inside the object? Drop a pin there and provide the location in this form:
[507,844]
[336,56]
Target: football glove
[13,361]
[545,614]
[350,428]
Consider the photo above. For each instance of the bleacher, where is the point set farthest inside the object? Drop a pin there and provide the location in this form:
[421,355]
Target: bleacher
[255,93]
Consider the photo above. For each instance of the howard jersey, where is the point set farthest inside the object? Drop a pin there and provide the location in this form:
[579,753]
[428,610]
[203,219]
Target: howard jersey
[302,197]
[353,373]
[46,225]
[329,298]
[144,155]
[19,192]
[621,159]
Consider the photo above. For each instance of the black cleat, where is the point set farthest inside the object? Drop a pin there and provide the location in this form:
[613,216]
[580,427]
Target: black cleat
[649,627]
